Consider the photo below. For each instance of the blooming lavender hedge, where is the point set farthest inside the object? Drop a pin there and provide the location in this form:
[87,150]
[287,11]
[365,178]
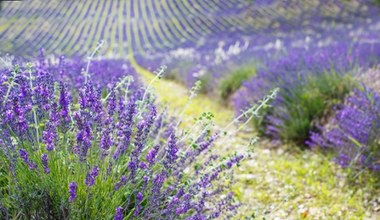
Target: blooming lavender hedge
[75,71]
[91,152]
[310,81]
[353,132]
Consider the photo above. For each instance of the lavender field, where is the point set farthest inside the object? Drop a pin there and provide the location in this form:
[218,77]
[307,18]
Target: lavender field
[190,109]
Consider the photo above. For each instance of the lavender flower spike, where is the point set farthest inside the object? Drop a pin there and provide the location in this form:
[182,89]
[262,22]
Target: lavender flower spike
[25,157]
[119,213]
[91,176]
[44,160]
[73,186]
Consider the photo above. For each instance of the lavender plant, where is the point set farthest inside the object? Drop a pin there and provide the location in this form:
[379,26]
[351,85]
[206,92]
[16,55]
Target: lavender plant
[90,154]
[353,132]
[311,83]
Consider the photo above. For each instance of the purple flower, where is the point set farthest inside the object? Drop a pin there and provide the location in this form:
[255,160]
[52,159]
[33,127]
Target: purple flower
[32,165]
[122,182]
[132,166]
[140,138]
[91,176]
[105,141]
[353,133]
[152,116]
[19,116]
[50,134]
[124,127]
[24,155]
[44,160]
[119,213]
[139,196]
[64,102]
[137,210]
[111,103]
[171,151]
[151,155]
[142,165]
[84,135]
[73,186]
[95,171]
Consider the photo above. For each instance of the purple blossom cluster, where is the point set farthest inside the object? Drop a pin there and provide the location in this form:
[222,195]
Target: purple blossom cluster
[73,186]
[45,160]
[108,147]
[102,72]
[353,132]
[25,157]
[91,176]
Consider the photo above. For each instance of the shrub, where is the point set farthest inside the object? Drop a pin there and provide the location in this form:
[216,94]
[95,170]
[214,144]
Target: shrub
[306,103]
[310,82]
[353,132]
[94,155]
[302,103]
[233,81]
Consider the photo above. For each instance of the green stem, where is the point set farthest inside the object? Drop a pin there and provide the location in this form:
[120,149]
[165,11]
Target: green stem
[12,83]
[33,109]
[86,74]
[159,74]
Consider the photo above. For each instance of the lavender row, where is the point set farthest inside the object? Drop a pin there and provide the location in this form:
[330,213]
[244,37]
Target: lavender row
[212,56]
[153,28]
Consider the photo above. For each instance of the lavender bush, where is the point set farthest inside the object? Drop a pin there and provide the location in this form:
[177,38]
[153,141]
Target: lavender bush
[91,153]
[310,84]
[353,132]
